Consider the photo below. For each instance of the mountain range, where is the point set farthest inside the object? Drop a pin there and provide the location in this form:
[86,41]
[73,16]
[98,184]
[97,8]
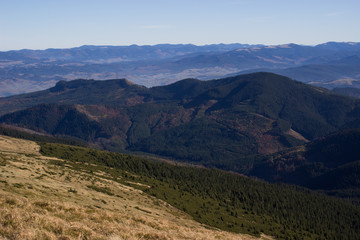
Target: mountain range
[342,73]
[29,70]
[234,123]
[329,65]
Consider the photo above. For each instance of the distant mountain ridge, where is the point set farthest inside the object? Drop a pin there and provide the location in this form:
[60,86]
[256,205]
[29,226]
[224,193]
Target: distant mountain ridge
[281,55]
[351,92]
[341,73]
[117,53]
[31,70]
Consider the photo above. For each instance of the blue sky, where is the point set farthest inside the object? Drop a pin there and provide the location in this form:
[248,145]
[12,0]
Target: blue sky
[41,24]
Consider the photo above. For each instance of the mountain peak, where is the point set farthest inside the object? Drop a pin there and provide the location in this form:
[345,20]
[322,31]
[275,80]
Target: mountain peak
[86,83]
[290,45]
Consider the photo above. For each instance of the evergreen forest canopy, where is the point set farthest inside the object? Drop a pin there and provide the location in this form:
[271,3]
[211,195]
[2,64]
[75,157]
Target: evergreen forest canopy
[224,200]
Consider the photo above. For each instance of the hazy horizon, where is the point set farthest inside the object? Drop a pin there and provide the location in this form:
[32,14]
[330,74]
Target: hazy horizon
[142,45]
[41,24]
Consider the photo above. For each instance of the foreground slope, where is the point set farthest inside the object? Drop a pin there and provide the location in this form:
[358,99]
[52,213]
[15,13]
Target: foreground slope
[43,200]
[215,198]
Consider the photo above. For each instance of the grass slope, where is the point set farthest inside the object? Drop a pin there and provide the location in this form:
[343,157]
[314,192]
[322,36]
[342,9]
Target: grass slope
[49,198]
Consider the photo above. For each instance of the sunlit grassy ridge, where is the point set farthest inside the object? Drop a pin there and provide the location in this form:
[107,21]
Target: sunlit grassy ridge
[48,198]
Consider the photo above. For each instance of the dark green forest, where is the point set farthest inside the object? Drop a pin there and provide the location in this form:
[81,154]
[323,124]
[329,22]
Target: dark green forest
[329,164]
[228,201]
[17,133]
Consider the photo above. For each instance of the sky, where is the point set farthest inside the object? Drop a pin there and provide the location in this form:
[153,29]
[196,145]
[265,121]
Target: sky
[41,24]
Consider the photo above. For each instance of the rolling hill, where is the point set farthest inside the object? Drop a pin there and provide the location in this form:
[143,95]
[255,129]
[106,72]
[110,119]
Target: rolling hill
[340,73]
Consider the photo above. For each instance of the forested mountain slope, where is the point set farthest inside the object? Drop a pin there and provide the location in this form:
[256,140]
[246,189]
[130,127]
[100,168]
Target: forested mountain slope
[221,123]
[330,164]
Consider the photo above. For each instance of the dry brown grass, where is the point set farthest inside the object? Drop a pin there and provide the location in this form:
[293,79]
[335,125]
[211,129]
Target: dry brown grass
[41,201]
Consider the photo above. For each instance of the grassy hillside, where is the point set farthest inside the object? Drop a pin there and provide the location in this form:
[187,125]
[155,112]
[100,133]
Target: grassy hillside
[227,201]
[48,198]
